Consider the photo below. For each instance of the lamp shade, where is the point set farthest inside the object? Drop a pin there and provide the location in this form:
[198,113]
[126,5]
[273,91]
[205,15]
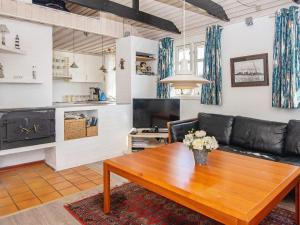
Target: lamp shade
[185,81]
[74,65]
[3,28]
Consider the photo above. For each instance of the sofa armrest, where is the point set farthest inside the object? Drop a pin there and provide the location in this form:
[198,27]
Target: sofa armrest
[179,128]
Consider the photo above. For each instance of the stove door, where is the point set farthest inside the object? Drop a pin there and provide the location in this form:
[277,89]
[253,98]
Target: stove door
[29,125]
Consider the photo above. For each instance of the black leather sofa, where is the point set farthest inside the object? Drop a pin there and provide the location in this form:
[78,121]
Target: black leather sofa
[258,138]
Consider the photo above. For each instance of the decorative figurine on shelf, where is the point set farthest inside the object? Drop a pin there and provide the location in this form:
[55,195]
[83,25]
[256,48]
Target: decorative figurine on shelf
[3,30]
[1,71]
[34,72]
[143,67]
[122,61]
[17,42]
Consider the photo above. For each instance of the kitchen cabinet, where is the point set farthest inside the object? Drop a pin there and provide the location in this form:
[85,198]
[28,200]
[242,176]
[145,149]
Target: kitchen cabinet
[88,68]
[93,72]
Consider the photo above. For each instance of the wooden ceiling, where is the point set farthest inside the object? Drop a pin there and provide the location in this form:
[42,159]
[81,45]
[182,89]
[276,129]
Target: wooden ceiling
[196,20]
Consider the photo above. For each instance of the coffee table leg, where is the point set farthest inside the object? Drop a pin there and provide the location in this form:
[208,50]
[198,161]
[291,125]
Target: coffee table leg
[297,203]
[106,192]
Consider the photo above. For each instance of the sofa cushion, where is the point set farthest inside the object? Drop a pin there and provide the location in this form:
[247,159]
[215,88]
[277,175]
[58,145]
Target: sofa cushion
[292,142]
[247,152]
[179,130]
[216,125]
[293,160]
[259,135]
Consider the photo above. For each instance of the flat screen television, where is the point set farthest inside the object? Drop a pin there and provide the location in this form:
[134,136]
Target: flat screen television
[151,113]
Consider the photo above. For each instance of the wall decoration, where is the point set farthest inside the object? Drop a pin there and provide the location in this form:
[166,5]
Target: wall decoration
[17,42]
[34,72]
[122,61]
[3,30]
[1,71]
[250,71]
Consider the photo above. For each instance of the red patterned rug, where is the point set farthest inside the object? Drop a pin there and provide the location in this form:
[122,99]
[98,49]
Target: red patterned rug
[134,205]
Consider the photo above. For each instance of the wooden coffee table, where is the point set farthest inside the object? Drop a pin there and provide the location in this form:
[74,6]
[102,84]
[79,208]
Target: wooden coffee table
[231,188]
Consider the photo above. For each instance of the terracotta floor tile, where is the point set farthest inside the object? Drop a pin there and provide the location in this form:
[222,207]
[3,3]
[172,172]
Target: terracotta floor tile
[33,180]
[72,175]
[29,175]
[56,180]
[78,180]
[38,184]
[69,191]
[49,197]
[43,191]
[98,182]
[18,190]
[97,177]
[8,209]
[50,175]
[62,185]
[6,201]
[86,185]
[32,185]
[80,168]
[68,171]
[85,172]
[28,203]
[23,196]
[14,184]
[3,194]
[45,172]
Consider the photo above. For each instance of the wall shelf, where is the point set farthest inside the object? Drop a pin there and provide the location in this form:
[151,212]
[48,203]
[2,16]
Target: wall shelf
[19,81]
[8,50]
[144,58]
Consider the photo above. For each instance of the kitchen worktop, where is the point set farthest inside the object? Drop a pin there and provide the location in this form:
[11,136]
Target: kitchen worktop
[81,104]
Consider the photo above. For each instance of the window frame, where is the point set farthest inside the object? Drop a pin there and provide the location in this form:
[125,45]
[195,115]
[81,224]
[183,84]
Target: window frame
[189,46]
[196,45]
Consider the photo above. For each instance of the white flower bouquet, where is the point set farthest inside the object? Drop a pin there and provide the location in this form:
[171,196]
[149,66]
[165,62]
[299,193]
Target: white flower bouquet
[200,144]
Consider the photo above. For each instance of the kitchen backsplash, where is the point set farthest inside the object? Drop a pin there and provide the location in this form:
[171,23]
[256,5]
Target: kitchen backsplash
[62,88]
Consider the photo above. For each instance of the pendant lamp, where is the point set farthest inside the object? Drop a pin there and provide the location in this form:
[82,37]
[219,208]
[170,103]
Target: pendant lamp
[184,81]
[104,70]
[74,65]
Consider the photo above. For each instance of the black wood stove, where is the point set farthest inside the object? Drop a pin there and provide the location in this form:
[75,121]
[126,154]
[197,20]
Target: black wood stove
[26,127]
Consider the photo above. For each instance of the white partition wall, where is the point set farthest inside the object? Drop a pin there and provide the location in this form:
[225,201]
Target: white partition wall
[128,84]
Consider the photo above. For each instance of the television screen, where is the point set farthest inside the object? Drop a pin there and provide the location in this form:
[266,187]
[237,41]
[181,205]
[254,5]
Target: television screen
[150,113]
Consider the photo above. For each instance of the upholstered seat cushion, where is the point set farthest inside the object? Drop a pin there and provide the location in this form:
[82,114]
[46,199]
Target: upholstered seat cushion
[259,135]
[180,128]
[216,125]
[247,152]
[292,144]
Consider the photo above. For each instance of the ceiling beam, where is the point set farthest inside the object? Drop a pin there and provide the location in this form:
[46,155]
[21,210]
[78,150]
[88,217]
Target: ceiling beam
[211,8]
[129,13]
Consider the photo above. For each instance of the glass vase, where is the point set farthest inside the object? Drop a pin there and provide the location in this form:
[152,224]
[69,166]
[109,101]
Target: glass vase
[200,157]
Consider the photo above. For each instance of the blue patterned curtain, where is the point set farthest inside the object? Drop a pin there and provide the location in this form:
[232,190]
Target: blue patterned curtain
[165,66]
[211,93]
[286,59]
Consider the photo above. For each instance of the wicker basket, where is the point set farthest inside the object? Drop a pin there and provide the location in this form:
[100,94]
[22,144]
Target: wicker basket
[75,128]
[91,131]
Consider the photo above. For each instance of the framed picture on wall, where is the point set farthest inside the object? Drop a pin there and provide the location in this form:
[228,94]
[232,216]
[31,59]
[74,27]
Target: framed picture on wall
[248,71]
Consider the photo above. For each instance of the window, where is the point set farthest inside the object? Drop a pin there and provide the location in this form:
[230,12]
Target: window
[180,60]
[199,59]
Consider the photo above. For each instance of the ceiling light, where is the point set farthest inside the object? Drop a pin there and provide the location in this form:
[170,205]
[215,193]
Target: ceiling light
[185,81]
[74,65]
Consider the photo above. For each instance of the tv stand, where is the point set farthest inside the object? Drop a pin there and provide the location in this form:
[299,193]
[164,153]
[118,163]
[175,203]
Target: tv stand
[154,131]
[145,138]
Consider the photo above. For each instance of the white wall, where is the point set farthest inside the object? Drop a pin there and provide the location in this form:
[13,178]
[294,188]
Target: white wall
[240,40]
[36,41]
[128,84]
